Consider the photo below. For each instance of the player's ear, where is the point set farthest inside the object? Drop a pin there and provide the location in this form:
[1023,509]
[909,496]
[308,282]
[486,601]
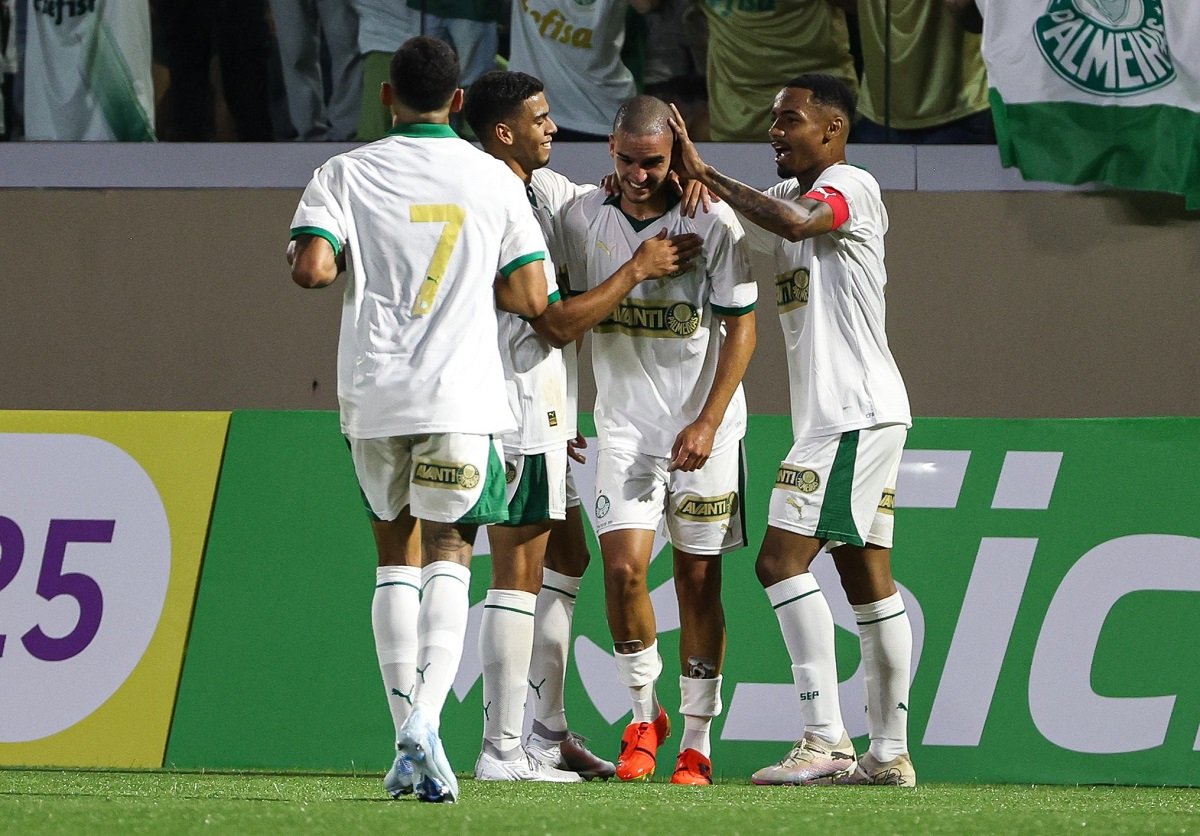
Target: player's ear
[385,94]
[456,101]
[504,133]
[836,127]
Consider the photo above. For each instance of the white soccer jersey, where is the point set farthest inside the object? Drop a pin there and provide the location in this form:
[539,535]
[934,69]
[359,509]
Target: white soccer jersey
[830,293]
[552,195]
[575,47]
[543,387]
[536,377]
[655,358]
[426,221]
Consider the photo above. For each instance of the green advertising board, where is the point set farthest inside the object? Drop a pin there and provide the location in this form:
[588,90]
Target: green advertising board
[1050,569]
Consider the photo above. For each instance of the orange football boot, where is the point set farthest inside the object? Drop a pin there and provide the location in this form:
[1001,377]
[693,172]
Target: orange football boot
[639,747]
[692,768]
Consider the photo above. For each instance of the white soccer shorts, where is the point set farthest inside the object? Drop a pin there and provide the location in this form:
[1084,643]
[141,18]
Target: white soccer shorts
[840,488]
[703,508]
[445,477]
[573,500]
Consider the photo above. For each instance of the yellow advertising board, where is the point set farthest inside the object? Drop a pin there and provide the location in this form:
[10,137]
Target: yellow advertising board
[103,518]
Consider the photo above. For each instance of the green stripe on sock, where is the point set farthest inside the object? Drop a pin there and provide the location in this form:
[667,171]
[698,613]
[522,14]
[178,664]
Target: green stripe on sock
[797,598]
[509,609]
[559,591]
[443,575]
[877,620]
[398,583]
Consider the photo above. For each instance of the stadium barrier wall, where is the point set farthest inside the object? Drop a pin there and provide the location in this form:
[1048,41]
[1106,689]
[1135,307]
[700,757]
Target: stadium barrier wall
[1047,566]
[164,262]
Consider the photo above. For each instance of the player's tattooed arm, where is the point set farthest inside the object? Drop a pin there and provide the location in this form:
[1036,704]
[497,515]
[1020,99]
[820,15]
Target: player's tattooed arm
[792,220]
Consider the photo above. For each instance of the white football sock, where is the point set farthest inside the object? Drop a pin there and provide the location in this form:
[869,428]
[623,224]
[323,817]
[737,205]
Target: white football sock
[638,672]
[441,630]
[885,635]
[394,622]
[699,702]
[807,626]
[551,644]
[505,645]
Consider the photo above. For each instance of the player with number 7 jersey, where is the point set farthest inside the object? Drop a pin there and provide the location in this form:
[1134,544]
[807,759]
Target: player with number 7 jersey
[418,349]
[433,235]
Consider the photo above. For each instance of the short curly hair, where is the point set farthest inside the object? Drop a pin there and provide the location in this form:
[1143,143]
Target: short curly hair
[424,73]
[827,90]
[496,96]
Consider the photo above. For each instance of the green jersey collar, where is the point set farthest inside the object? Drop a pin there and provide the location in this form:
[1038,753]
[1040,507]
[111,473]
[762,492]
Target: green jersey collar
[638,225]
[423,129]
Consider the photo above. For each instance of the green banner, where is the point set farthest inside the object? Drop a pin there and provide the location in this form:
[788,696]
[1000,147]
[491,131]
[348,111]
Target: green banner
[1050,570]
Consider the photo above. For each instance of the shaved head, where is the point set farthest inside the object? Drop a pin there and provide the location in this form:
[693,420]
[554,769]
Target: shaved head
[643,116]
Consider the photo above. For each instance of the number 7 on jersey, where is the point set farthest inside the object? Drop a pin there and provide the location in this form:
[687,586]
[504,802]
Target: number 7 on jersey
[452,216]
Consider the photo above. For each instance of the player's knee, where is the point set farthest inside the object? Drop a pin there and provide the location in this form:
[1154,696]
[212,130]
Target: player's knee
[624,578]
[770,568]
[698,582]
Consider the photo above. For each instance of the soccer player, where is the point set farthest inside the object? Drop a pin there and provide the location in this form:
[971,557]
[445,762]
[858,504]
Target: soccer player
[509,113]
[432,234]
[671,415]
[824,226]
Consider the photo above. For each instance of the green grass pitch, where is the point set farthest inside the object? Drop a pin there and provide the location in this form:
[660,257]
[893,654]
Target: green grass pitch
[97,802]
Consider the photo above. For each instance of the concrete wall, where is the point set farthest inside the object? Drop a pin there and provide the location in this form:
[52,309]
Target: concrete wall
[1001,303]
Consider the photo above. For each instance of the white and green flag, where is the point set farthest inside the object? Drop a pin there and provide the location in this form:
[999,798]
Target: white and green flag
[87,70]
[1101,91]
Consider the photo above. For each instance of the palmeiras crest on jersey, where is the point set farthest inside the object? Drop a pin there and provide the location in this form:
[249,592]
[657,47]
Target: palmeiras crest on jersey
[1107,47]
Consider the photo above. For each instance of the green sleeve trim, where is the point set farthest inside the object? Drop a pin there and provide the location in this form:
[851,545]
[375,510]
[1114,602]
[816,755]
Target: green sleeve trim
[320,233]
[507,269]
[717,309]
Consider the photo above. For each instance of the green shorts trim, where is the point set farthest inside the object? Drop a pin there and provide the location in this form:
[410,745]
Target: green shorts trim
[490,508]
[531,502]
[837,514]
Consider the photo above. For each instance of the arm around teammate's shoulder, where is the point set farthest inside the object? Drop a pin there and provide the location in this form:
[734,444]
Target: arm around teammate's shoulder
[565,321]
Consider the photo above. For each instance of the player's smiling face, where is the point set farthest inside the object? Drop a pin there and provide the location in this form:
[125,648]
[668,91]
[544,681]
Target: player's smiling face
[642,164]
[533,133]
[799,127]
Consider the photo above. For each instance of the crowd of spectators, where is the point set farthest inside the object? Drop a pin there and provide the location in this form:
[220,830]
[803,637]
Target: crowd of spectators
[310,70]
